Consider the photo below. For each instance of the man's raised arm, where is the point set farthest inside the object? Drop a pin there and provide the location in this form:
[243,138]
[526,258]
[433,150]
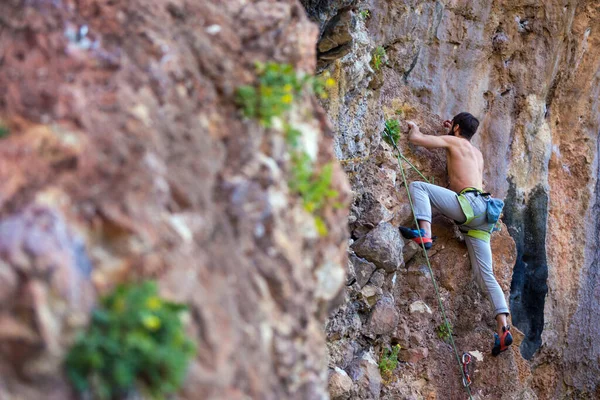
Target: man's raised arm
[429,141]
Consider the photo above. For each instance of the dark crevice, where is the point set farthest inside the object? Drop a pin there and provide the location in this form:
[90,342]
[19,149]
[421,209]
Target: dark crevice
[552,92]
[413,64]
[526,223]
[336,38]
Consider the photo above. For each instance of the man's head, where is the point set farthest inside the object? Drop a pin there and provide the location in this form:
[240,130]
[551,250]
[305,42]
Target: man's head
[464,124]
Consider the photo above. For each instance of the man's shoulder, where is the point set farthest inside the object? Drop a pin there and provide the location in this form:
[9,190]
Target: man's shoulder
[454,142]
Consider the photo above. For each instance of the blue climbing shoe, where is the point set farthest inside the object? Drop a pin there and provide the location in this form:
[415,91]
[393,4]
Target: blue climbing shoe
[413,234]
[501,343]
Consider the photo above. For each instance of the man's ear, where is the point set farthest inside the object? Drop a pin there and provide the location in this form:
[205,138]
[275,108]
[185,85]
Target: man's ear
[456,130]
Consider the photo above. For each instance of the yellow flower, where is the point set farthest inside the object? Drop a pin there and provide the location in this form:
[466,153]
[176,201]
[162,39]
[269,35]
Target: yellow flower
[287,88]
[287,99]
[330,82]
[151,322]
[153,303]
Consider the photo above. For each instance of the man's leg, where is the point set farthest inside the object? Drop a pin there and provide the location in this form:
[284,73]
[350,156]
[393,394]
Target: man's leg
[425,195]
[480,253]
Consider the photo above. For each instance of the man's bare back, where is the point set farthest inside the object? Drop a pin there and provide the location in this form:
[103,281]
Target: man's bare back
[465,162]
[465,165]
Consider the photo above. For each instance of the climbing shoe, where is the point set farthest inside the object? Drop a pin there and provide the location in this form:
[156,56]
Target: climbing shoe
[501,343]
[413,234]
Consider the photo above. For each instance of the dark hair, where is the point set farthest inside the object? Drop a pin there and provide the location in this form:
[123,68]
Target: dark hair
[467,123]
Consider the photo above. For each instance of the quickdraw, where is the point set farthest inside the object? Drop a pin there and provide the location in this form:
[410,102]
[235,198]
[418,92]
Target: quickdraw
[466,360]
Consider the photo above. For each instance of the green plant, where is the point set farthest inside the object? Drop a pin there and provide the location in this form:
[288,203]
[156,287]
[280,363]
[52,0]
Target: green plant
[365,14]
[277,88]
[392,129]
[314,187]
[4,131]
[378,58]
[135,341]
[292,136]
[444,331]
[389,361]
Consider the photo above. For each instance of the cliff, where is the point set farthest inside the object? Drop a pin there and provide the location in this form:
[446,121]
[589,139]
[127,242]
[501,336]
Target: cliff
[125,155]
[529,72]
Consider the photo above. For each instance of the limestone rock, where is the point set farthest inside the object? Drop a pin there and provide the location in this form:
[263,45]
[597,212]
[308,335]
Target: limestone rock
[340,385]
[50,266]
[410,250]
[542,160]
[378,278]
[384,317]
[341,352]
[370,294]
[419,307]
[343,322]
[382,246]
[363,269]
[371,212]
[365,373]
[413,355]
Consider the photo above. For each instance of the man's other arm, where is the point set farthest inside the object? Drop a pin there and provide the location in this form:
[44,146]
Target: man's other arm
[429,141]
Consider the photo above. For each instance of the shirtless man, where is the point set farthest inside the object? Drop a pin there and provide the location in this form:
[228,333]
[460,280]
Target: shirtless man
[466,204]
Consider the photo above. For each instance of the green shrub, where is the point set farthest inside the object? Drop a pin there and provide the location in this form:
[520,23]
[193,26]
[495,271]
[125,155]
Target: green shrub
[314,187]
[135,341]
[378,58]
[392,129]
[365,14]
[444,331]
[388,362]
[4,131]
[278,87]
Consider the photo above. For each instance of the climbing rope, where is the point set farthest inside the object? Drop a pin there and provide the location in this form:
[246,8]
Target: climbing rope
[401,157]
[360,159]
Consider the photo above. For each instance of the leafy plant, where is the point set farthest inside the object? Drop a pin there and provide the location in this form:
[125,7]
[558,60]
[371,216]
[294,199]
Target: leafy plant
[4,131]
[277,88]
[392,129]
[365,14]
[135,341]
[388,361]
[314,187]
[378,58]
[444,331]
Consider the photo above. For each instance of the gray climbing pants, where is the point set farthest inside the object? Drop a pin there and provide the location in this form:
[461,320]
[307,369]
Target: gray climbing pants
[426,195]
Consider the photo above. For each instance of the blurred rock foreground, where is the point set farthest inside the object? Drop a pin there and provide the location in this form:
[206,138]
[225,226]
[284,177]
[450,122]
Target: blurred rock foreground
[124,156]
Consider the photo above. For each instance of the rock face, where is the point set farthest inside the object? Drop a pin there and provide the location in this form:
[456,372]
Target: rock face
[124,156]
[382,246]
[529,72]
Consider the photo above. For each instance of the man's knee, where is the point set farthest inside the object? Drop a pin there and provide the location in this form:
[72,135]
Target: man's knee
[415,185]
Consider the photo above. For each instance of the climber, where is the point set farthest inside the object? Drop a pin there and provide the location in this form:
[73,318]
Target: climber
[466,204]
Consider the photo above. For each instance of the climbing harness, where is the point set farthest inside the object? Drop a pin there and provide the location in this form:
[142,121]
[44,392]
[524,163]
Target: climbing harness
[466,360]
[401,157]
[492,213]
